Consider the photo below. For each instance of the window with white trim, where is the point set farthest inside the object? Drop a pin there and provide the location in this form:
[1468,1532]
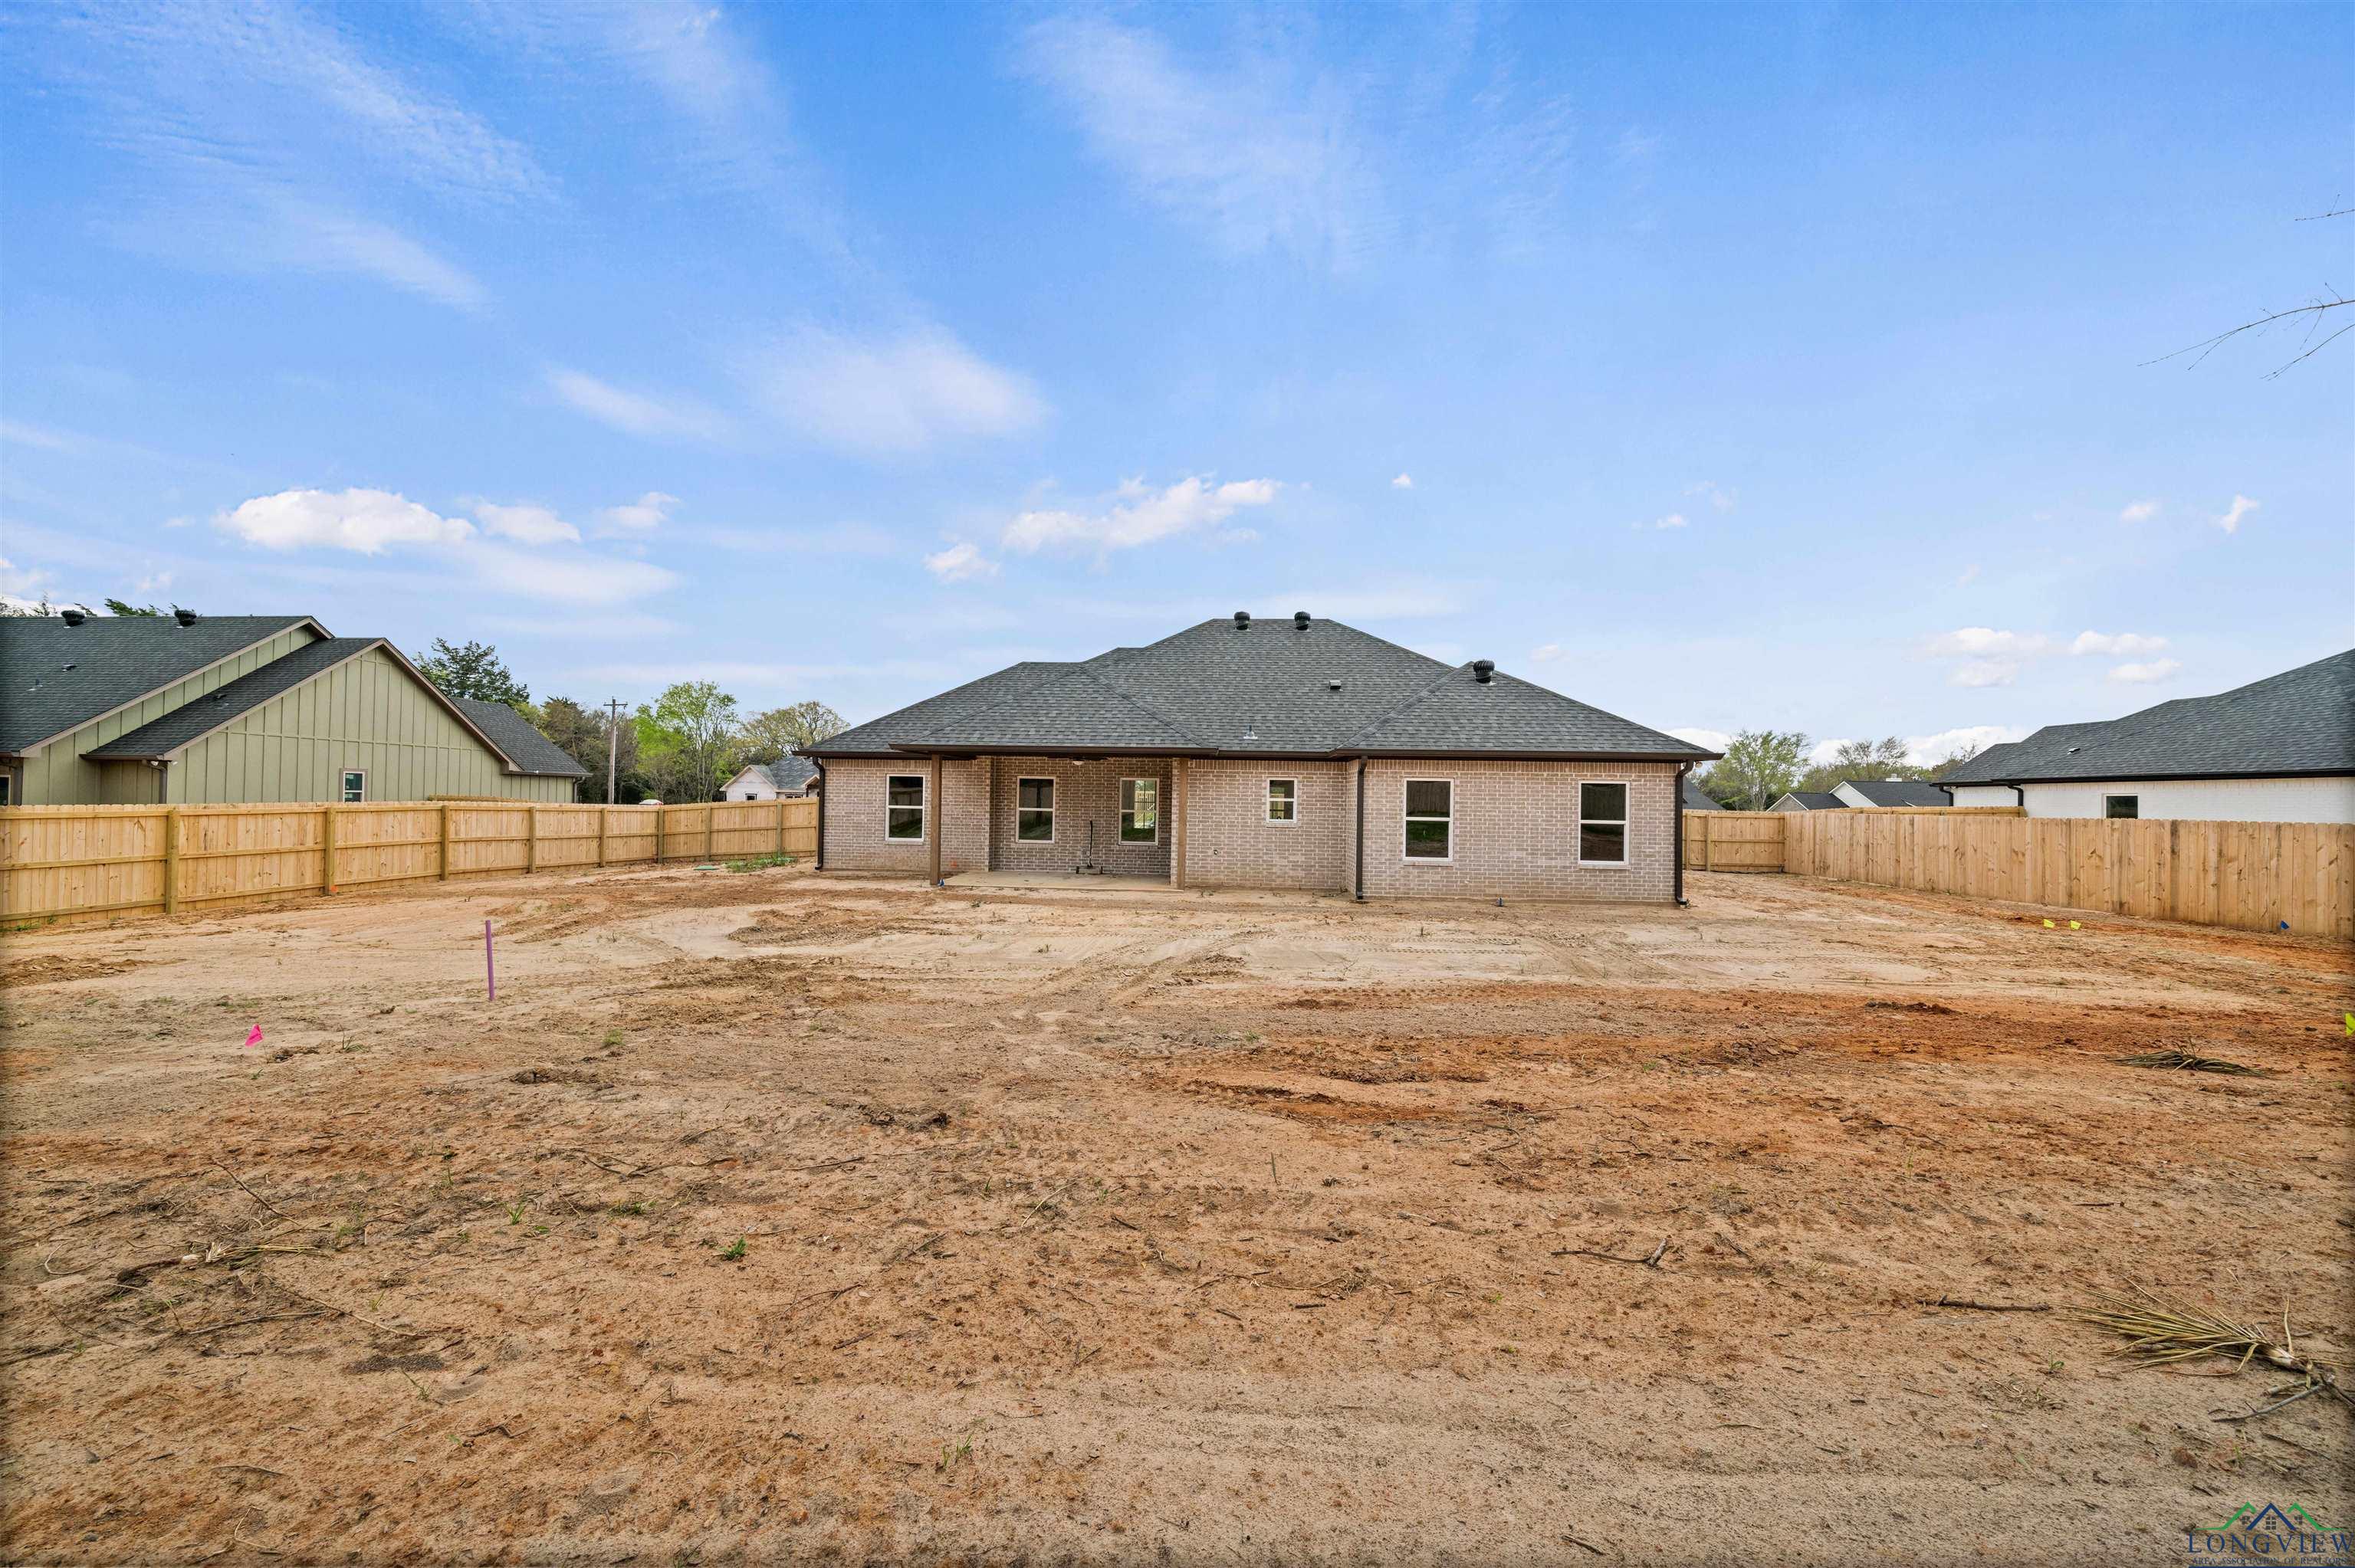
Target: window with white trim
[1140,810]
[1430,818]
[1283,799]
[354,786]
[7,787]
[1603,824]
[2126,808]
[1034,811]
[903,806]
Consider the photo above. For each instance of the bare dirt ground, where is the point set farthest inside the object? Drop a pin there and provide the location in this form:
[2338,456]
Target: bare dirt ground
[769,1216]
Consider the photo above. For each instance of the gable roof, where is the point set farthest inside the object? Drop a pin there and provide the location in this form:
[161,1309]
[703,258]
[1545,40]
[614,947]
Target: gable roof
[1271,689]
[512,735]
[2301,721]
[1810,800]
[55,678]
[1897,791]
[1696,799]
[791,771]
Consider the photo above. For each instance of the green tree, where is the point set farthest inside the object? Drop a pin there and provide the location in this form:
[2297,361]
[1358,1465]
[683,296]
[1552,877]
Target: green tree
[474,670]
[687,740]
[1759,765]
[581,734]
[1884,758]
[116,607]
[768,735]
[1948,764]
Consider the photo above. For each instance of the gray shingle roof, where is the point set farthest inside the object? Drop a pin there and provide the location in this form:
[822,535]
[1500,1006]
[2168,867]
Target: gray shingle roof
[791,771]
[512,734]
[160,736]
[2300,722]
[116,658]
[1897,791]
[1811,801]
[1271,688]
[1698,800]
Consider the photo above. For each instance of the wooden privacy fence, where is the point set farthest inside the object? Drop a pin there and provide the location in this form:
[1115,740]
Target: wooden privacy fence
[2253,876]
[64,861]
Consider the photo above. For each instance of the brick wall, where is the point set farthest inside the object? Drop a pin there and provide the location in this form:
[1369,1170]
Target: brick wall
[1230,842]
[1516,831]
[1087,795]
[854,817]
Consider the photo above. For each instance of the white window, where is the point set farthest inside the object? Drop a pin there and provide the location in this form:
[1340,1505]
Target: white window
[1034,811]
[354,786]
[903,806]
[1431,819]
[1603,824]
[1140,810]
[1283,799]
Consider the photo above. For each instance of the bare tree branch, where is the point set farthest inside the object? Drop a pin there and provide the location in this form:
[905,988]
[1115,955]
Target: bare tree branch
[2318,217]
[2207,346]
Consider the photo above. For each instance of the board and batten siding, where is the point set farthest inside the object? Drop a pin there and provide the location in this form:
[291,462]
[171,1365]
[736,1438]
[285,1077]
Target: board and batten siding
[366,712]
[57,775]
[2201,799]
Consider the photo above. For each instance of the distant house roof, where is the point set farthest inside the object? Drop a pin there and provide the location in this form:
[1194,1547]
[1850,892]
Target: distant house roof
[791,771]
[2300,722]
[1273,688]
[512,734]
[55,678]
[1897,791]
[1809,800]
[1698,800]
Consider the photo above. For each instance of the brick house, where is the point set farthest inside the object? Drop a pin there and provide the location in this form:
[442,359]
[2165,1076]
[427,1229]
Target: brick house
[1300,754]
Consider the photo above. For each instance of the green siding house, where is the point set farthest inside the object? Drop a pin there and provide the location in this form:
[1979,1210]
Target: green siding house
[131,710]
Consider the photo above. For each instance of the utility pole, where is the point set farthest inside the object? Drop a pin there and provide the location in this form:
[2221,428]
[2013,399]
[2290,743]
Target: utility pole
[612,746]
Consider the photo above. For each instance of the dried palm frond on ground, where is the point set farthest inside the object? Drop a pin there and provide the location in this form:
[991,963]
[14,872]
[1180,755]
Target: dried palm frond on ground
[2159,1332]
[2186,1062]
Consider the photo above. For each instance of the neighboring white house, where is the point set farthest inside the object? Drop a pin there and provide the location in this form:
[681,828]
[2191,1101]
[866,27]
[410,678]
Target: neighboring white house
[1866,794]
[788,778]
[2277,750]
[1808,800]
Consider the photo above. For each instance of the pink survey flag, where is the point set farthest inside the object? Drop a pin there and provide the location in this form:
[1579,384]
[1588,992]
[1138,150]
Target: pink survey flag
[253,1039]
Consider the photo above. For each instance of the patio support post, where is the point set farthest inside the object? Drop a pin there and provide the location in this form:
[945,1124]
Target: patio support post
[935,817]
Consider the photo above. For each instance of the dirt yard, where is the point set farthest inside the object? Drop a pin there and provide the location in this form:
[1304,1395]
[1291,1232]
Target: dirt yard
[770,1216]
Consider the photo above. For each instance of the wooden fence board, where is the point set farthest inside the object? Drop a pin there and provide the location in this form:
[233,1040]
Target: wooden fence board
[66,862]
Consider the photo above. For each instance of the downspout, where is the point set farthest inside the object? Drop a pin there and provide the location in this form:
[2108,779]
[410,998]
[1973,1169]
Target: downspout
[1682,768]
[1357,881]
[2019,798]
[820,863]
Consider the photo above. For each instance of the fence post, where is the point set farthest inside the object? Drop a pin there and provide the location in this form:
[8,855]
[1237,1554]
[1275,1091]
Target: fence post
[531,837]
[780,827]
[172,859]
[603,812]
[327,857]
[441,871]
[660,812]
[708,849]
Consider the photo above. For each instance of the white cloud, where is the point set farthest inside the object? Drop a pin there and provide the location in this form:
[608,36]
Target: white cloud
[1984,641]
[17,433]
[1718,495]
[568,578]
[884,396]
[1824,750]
[2139,511]
[634,413]
[960,562]
[647,513]
[2241,507]
[1673,520]
[1984,672]
[1249,160]
[1404,482]
[1922,750]
[1707,739]
[2143,675]
[2121,643]
[366,521]
[525,525]
[1546,653]
[1138,515]
[1970,575]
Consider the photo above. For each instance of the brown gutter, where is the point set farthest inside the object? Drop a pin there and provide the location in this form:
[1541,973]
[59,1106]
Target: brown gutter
[1359,887]
[1680,806]
[819,862]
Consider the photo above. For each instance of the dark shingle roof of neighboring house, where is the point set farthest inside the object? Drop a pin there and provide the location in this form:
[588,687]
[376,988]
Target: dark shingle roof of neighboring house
[2300,722]
[512,734]
[791,771]
[1812,799]
[1697,799]
[160,736]
[116,659]
[1269,689]
[1897,791]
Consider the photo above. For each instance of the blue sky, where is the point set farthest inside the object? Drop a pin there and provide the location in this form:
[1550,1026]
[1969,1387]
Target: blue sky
[1723,367]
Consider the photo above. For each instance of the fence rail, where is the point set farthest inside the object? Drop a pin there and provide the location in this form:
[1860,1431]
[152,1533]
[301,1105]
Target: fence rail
[63,862]
[2252,876]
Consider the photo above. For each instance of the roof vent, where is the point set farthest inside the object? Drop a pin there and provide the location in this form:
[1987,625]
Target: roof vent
[1484,669]
[185,617]
[1299,620]
[1332,685]
[1242,620]
[71,617]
